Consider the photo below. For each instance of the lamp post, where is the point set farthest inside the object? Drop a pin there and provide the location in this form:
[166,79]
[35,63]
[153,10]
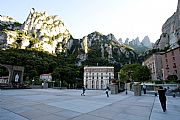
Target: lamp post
[126,87]
[60,84]
[32,81]
[53,83]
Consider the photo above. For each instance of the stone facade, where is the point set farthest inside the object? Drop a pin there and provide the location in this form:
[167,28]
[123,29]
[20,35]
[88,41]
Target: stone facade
[154,63]
[98,77]
[164,64]
[171,63]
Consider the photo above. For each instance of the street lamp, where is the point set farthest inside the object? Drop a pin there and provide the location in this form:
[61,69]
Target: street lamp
[126,88]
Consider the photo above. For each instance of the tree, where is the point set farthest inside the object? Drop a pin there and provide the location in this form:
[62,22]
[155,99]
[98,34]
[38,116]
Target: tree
[172,77]
[134,73]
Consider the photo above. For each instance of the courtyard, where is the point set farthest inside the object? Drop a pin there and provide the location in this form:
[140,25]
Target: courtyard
[68,104]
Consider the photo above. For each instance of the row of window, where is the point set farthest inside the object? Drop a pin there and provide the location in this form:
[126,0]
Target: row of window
[97,84]
[174,66]
[173,59]
[172,53]
[175,71]
[97,74]
[99,77]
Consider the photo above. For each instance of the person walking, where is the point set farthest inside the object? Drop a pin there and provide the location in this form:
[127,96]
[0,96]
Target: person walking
[83,92]
[144,88]
[107,91]
[162,98]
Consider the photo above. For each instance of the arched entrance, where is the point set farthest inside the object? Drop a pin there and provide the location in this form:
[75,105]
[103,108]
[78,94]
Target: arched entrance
[15,77]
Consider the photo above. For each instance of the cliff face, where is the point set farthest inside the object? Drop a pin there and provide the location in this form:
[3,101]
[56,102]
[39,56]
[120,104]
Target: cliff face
[106,47]
[170,32]
[9,23]
[39,31]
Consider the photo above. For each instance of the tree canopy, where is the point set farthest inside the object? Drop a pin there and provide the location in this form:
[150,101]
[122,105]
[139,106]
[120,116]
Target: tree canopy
[134,73]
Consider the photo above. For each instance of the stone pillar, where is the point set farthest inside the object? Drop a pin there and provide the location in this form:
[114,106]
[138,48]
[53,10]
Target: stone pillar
[45,85]
[137,90]
[113,88]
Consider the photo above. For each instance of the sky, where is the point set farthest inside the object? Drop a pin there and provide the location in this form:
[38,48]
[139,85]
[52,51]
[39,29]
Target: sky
[123,18]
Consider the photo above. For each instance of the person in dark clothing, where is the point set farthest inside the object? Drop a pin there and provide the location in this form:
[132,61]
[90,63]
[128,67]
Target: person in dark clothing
[162,98]
[144,88]
[84,89]
[107,91]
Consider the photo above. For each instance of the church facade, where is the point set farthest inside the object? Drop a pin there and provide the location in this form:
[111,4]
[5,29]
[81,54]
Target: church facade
[98,77]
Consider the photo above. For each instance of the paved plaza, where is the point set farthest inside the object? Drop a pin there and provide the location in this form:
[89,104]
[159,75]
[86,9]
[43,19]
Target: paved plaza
[55,104]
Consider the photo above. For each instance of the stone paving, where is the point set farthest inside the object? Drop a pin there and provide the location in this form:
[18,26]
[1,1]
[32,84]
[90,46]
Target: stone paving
[54,104]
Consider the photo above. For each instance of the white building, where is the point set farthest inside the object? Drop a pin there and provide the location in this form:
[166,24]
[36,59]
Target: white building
[46,77]
[98,77]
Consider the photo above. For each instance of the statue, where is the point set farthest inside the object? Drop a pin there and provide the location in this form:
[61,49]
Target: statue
[17,78]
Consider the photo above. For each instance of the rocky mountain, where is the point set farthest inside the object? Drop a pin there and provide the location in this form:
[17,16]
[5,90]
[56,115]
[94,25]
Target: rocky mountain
[9,23]
[135,42]
[48,33]
[138,46]
[170,37]
[146,42]
[106,47]
[39,31]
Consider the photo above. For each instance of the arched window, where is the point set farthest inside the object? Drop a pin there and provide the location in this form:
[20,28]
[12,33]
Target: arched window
[101,84]
[92,84]
[86,83]
[97,84]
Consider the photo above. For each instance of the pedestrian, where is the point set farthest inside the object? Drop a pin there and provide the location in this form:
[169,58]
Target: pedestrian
[83,91]
[162,98]
[107,91]
[144,88]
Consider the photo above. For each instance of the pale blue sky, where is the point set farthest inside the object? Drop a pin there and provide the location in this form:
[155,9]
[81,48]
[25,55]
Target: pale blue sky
[123,18]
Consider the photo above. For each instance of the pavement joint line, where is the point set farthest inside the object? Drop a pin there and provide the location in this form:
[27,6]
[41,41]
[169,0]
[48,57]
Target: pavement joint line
[152,107]
[16,113]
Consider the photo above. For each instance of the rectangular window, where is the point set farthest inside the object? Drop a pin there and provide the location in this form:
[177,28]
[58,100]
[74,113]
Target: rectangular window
[167,66]
[172,53]
[173,58]
[174,65]
[165,55]
[175,71]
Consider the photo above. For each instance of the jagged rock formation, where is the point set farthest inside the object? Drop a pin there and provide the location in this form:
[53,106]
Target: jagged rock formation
[135,42]
[170,32]
[106,47]
[138,46]
[146,42]
[39,31]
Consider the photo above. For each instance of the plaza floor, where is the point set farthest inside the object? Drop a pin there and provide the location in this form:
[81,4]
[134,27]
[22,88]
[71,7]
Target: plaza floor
[55,104]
